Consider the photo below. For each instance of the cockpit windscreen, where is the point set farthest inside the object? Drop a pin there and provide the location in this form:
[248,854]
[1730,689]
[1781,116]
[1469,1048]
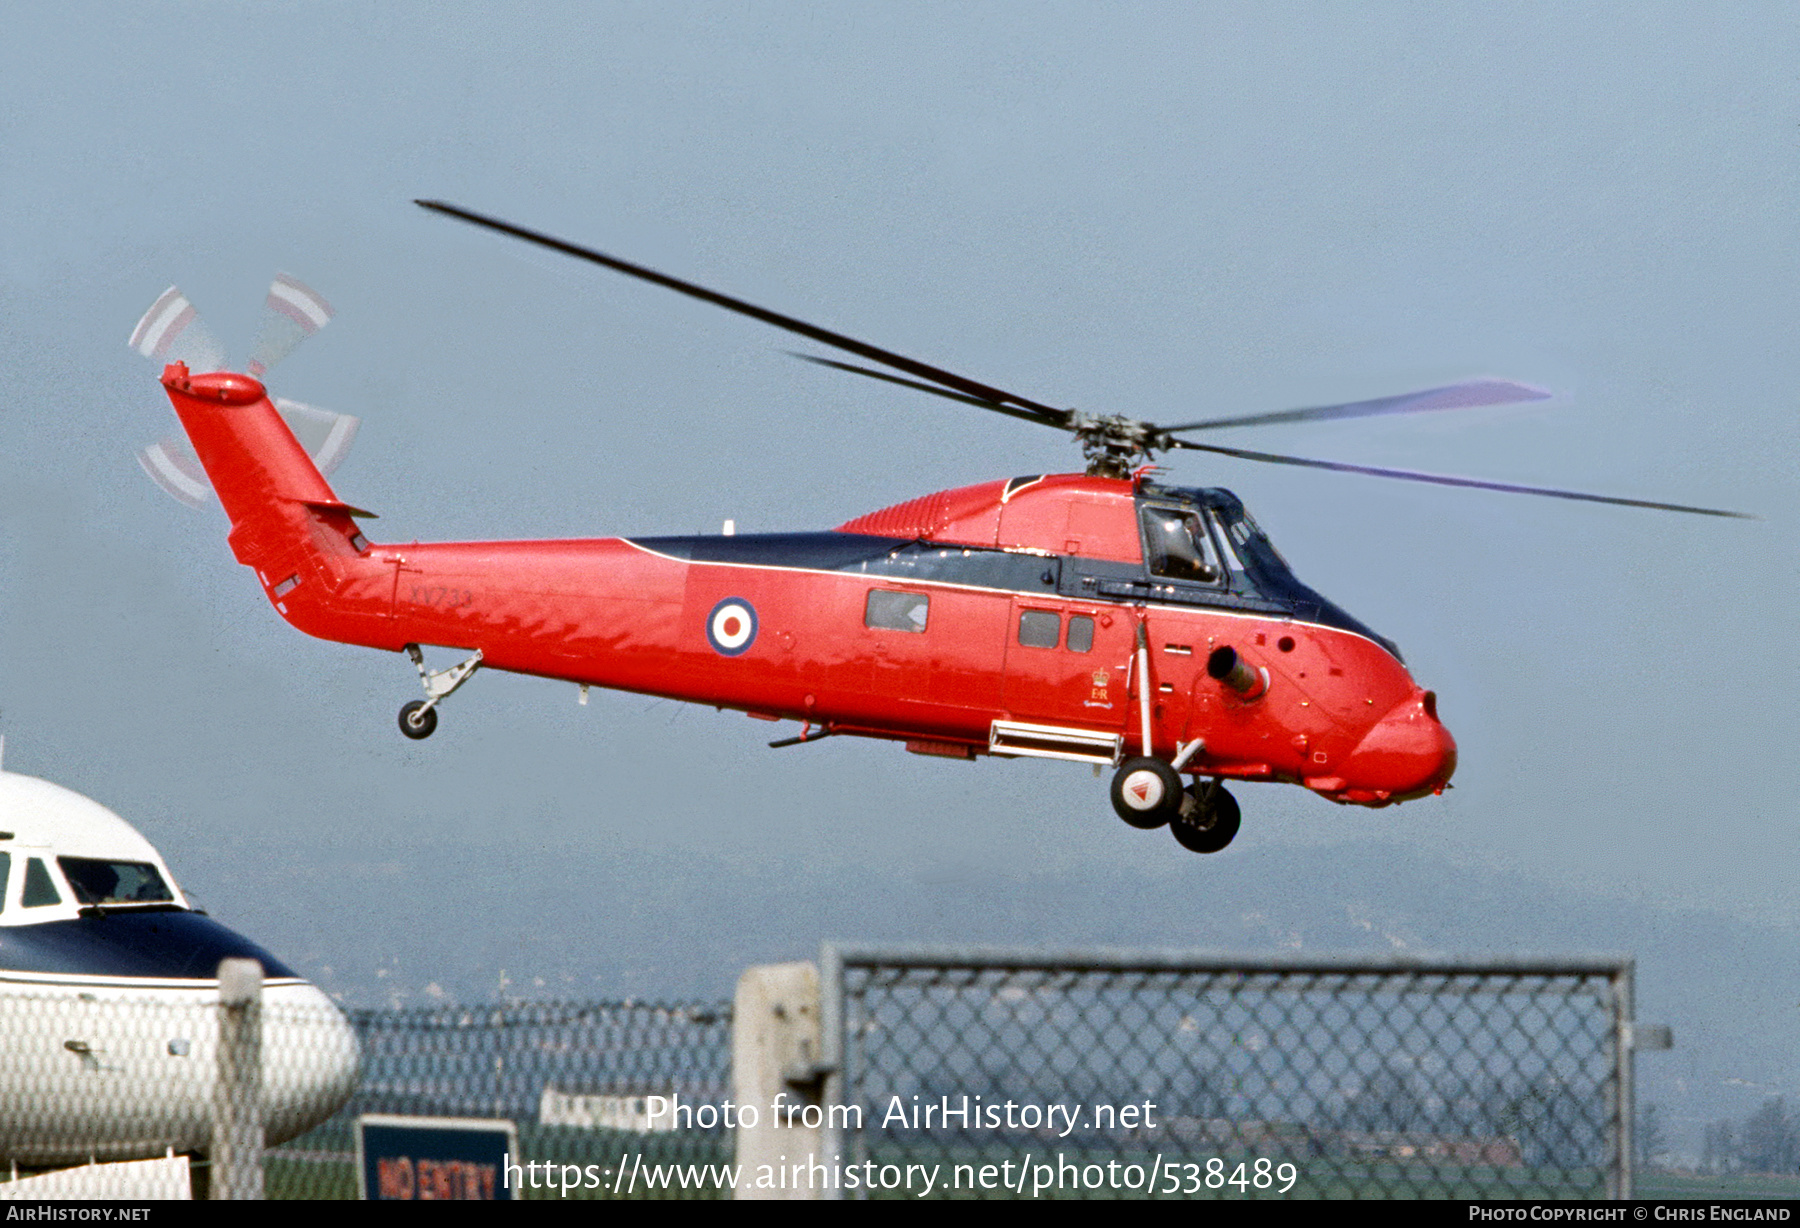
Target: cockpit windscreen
[114,882]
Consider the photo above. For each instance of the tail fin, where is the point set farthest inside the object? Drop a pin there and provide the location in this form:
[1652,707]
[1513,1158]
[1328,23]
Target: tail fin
[270,488]
[325,434]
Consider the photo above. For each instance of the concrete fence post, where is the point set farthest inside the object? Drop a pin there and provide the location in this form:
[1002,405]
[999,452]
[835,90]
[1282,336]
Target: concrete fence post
[778,1083]
[237,1142]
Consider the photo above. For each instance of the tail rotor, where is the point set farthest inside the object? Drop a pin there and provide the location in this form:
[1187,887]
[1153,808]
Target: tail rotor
[172,331]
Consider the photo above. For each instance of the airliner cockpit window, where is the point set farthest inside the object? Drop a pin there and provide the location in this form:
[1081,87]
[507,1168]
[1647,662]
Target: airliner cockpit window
[114,882]
[1176,545]
[40,888]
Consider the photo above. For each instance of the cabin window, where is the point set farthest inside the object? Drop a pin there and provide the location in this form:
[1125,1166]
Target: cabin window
[1081,633]
[1039,629]
[5,868]
[1177,546]
[40,888]
[897,611]
[114,882]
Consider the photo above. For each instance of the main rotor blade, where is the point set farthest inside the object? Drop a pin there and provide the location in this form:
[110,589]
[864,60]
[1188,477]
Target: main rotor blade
[1438,479]
[1029,415]
[1467,395]
[824,336]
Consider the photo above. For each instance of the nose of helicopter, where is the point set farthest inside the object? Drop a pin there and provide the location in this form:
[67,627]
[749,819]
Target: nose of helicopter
[1407,754]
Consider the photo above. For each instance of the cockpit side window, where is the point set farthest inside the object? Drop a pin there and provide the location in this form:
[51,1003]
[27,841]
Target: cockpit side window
[1227,542]
[40,888]
[1249,539]
[114,882]
[1178,547]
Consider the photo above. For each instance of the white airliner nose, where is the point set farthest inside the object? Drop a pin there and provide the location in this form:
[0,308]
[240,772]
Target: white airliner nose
[311,1059]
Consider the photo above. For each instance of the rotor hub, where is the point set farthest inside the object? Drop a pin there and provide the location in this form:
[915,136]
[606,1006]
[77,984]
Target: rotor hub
[1113,444]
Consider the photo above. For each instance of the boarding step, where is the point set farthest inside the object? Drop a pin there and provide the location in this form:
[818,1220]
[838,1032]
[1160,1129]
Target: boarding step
[1018,739]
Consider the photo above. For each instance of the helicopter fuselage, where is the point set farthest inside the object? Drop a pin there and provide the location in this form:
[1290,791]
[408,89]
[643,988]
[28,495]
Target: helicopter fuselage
[1100,618]
[1065,616]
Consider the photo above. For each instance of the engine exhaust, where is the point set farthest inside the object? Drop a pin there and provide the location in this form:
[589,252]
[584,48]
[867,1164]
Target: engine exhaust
[1246,680]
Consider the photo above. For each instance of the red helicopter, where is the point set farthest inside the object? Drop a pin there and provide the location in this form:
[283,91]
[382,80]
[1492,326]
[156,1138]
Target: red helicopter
[1100,617]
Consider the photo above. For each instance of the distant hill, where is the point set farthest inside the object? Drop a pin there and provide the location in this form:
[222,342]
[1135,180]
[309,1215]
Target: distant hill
[658,924]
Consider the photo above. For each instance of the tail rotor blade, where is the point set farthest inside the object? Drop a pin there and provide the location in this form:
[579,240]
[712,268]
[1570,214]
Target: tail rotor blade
[325,435]
[292,313]
[174,467]
[171,331]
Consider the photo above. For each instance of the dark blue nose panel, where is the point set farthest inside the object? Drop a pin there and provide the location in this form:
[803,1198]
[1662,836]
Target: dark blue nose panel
[171,944]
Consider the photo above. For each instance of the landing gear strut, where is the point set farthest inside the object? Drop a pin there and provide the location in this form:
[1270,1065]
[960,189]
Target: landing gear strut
[1209,823]
[418,719]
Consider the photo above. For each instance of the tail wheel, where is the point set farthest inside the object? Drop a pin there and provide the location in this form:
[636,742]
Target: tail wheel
[1210,823]
[417,721]
[1146,792]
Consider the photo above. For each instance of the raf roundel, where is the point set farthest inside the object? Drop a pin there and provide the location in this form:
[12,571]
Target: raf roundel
[731,627]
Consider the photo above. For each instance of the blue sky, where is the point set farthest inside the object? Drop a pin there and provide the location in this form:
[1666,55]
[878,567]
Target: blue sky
[1174,211]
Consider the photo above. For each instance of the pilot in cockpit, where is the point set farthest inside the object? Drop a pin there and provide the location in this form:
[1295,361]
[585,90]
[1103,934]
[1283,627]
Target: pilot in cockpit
[1178,546]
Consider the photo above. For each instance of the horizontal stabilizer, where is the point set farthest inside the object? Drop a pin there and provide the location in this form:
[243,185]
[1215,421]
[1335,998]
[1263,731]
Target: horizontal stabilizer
[334,505]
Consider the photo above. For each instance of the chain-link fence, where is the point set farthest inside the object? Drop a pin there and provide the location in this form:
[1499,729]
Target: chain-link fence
[578,1079]
[1079,1074]
[118,1075]
[1106,1075]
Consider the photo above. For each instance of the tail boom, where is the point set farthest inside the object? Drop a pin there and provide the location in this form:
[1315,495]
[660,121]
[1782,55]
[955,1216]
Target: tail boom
[602,611]
[531,607]
[286,522]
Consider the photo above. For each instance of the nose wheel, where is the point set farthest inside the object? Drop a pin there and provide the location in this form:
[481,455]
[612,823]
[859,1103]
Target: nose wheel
[1209,824]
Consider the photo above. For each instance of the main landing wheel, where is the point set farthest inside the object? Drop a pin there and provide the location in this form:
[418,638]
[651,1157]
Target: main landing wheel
[418,721]
[1146,792]
[1210,823]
